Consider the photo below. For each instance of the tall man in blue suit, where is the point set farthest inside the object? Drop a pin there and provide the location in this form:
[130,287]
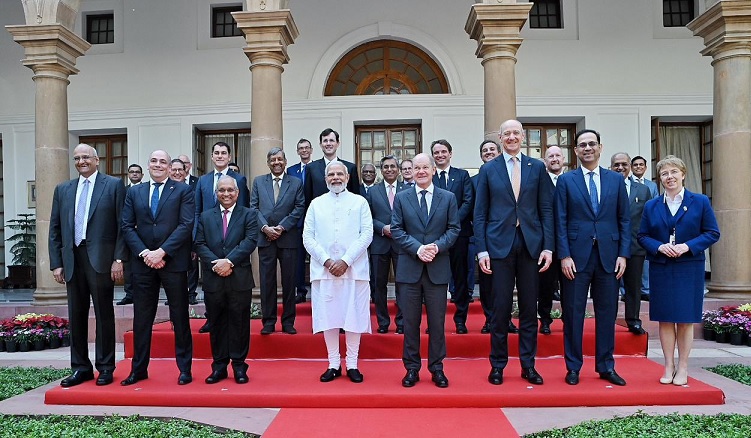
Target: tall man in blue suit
[456,181]
[280,203]
[639,169]
[304,151]
[425,224]
[384,252]
[513,223]
[86,252]
[157,223]
[226,236]
[593,240]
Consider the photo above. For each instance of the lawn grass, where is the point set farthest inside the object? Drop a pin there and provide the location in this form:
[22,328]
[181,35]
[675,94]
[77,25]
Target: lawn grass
[739,373]
[17,380]
[658,426]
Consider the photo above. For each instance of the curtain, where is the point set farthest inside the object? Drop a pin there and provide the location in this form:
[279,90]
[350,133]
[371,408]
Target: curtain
[685,143]
[242,153]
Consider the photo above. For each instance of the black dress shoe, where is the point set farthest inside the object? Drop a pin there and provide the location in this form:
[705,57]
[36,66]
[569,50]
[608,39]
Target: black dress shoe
[289,330]
[241,377]
[496,376]
[105,378]
[461,329]
[440,379]
[637,330]
[645,297]
[217,376]
[267,330]
[166,303]
[124,301]
[532,376]
[185,378]
[412,377]
[354,375]
[204,328]
[331,374]
[134,378]
[485,329]
[512,328]
[544,328]
[557,296]
[613,377]
[399,330]
[300,299]
[77,378]
[572,377]
[383,329]
[193,301]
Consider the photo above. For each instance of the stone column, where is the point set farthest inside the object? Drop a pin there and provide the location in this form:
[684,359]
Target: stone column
[495,25]
[51,51]
[725,27]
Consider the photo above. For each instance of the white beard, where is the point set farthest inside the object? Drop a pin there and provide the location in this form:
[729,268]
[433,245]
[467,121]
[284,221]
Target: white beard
[336,189]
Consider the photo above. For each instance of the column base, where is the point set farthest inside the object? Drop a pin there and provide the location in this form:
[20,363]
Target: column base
[50,296]
[729,291]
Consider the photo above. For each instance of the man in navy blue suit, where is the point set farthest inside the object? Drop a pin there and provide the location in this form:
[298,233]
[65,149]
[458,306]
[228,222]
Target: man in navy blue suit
[456,181]
[639,169]
[593,241]
[304,151]
[514,235]
[157,223]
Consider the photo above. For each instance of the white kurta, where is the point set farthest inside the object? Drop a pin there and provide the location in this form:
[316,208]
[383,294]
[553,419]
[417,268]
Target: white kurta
[339,227]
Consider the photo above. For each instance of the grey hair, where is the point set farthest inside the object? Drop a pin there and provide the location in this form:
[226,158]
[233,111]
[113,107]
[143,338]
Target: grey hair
[273,151]
[224,178]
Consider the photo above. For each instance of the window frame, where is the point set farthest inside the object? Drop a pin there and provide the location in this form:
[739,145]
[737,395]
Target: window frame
[389,130]
[534,13]
[224,9]
[107,162]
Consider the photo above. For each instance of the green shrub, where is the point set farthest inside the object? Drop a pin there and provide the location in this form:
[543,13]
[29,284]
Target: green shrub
[737,372]
[17,380]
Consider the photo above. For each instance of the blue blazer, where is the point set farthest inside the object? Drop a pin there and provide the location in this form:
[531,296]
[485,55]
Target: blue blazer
[496,209]
[410,229]
[170,230]
[576,224]
[298,172]
[460,185]
[204,196]
[695,225]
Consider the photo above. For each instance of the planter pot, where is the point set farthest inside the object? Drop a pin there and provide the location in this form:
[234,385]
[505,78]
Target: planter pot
[709,334]
[748,341]
[24,346]
[722,338]
[66,341]
[20,276]
[39,345]
[55,342]
[11,346]
[2,344]
[736,338]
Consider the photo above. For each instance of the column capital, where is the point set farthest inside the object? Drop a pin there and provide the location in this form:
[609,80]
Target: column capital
[726,29]
[267,35]
[496,28]
[50,49]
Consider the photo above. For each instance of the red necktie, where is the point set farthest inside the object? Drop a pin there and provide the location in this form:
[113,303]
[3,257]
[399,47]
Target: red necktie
[224,224]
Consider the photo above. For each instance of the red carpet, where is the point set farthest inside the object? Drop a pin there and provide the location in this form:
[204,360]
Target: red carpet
[294,383]
[379,423]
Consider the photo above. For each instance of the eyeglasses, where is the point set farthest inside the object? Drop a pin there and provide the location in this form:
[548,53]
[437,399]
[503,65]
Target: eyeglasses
[368,171]
[304,147]
[592,144]
[388,166]
[82,158]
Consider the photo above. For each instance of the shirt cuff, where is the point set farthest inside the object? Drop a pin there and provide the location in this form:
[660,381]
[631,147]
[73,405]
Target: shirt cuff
[482,255]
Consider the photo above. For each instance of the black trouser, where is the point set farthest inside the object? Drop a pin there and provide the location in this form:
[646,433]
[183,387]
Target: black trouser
[458,257]
[549,281]
[267,258]
[632,284]
[381,264]
[434,296]
[230,327]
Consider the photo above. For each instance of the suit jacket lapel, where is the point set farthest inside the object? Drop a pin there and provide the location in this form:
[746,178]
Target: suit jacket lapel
[71,194]
[169,188]
[579,182]
[632,193]
[525,165]
[688,198]
[234,219]
[437,198]
[268,188]
[96,195]
[413,199]
[285,186]
[504,176]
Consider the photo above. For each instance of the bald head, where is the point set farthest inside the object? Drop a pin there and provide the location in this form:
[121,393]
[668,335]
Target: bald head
[554,160]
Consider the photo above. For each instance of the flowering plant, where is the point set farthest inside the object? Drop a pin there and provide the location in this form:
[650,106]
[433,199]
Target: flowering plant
[23,335]
[728,319]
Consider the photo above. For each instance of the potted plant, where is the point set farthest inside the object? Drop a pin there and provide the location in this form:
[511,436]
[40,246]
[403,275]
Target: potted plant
[10,342]
[23,339]
[38,339]
[709,319]
[22,273]
[55,338]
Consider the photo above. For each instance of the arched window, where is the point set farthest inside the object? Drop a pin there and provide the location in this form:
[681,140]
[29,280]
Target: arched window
[386,67]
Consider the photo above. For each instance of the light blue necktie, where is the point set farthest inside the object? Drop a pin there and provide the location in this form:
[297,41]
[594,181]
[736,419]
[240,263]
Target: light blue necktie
[155,199]
[593,193]
[81,212]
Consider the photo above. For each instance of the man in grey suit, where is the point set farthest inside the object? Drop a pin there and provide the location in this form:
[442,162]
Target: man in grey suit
[135,176]
[280,202]
[639,169]
[86,250]
[425,224]
[638,195]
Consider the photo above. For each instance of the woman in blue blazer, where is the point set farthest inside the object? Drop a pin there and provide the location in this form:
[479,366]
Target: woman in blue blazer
[675,230]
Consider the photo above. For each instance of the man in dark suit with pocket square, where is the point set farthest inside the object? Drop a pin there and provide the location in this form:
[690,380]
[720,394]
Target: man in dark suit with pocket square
[226,236]
[278,198]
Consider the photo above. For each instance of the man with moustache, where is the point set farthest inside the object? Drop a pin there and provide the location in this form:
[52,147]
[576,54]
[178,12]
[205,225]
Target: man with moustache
[425,224]
[135,176]
[407,173]
[638,195]
[157,224]
[280,203]
[315,172]
[458,182]
[225,239]
[368,178]
[304,151]
[593,241]
[550,278]
[338,230]
[383,249]
[514,236]
[86,251]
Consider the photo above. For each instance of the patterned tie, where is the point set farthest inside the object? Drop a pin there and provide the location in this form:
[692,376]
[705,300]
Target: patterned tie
[276,189]
[216,181]
[224,223]
[442,179]
[516,177]
[555,180]
[391,196]
[81,212]
[155,199]
[423,204]
[593,192]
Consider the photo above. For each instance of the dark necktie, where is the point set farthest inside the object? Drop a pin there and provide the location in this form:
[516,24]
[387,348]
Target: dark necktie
[593,193]
[423,204]
[442,179]
[216,182]
[155,199]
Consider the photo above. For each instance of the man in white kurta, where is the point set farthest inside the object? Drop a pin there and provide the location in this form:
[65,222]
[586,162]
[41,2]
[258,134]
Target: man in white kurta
[337,232]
